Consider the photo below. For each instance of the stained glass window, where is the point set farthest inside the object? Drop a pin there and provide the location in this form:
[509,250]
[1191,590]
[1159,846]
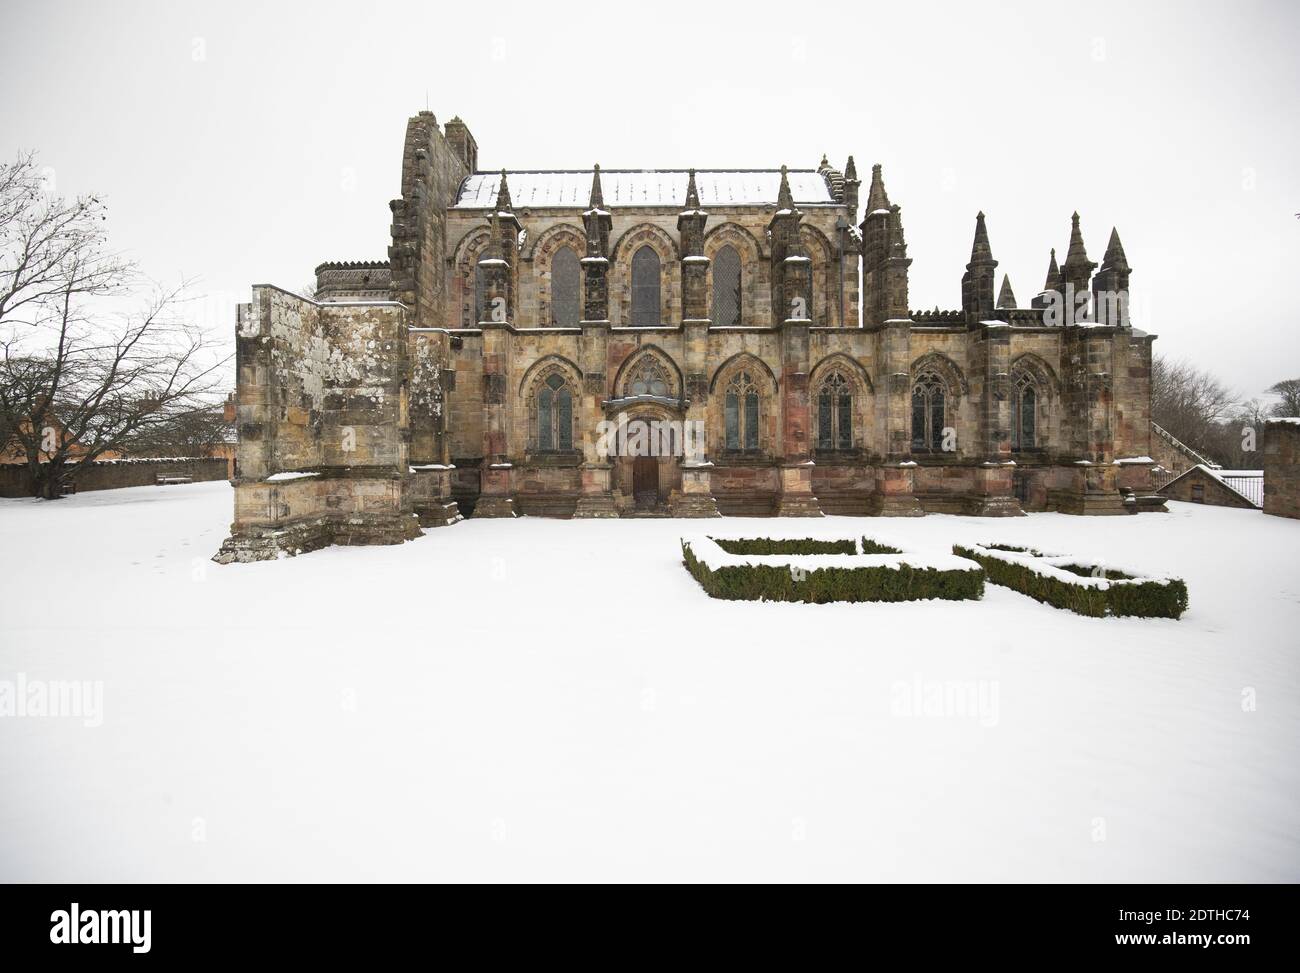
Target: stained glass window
[928,412]
[835,413]
[741,413]
[566,288]
[726,287]
[554,415]
[645,288]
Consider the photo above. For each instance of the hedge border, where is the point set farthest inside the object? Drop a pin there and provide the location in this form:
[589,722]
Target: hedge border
[866,582]
[1138,596]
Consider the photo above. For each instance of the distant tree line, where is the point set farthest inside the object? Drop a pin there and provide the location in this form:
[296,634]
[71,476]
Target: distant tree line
[1196,408]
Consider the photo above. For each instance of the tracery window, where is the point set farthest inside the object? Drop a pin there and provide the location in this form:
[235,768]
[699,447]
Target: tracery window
[554,415]
[650,378]
[726,287]
[835,413]
[1024,414]
[566,288]
[645,288]
[480,293]
[929,403]
[740,413]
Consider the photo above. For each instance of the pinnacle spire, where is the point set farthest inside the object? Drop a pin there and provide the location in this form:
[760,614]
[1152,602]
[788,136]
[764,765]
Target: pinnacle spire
[1053,281]
[980,251]
[597,200]
[503,195]
[897,242]
[850,169]
[1076,254]
[825,163]
[1114,258]
[784,198]
[692,194]
[877,199]
[1006,297]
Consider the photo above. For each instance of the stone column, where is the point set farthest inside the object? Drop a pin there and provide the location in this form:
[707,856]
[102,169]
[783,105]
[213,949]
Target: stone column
[792,305]
[695,497]
[1087,354]
[895,493]
[597,499]
[994,494]
[496,495]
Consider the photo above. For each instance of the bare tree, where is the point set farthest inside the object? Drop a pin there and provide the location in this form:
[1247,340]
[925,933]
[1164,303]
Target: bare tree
[195,433]
[1288,390]
[79,378]
[1189,403]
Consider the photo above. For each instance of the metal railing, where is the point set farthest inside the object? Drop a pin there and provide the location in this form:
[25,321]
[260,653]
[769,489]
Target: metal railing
[1250,487]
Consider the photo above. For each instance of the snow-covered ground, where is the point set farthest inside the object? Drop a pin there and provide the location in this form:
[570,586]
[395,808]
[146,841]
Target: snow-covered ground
[559,700]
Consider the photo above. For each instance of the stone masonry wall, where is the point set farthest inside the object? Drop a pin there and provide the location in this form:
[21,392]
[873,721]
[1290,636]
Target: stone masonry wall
[1282,467]
[16,481]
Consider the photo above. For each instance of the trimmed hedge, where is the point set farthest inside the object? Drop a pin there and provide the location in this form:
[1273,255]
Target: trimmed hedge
[1116,593]
[875,547]
[867,582]
[768,545]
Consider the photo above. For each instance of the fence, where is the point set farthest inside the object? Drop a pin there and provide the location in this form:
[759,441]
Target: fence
[1250,487]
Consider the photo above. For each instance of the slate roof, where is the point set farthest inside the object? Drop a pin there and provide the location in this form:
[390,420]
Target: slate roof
[643,187]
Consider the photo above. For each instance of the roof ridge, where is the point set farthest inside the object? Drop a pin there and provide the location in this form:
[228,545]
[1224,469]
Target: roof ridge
[1216,475]
[605,171]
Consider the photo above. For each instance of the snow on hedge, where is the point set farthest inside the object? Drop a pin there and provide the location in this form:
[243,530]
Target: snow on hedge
[708,553]
[1053,565]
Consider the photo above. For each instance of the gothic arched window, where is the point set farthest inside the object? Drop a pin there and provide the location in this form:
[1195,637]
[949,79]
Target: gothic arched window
[726,287]
[928,412]
[649,379]
[835,413]
[741,413]
[645,288]
[480,293]
[1024,414]
[554,415]
[566,288]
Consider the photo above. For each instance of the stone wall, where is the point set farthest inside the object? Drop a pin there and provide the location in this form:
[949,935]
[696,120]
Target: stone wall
[743,228]
[324,411]
[16,480]
[1198,486]
[1282,467]
[432,171]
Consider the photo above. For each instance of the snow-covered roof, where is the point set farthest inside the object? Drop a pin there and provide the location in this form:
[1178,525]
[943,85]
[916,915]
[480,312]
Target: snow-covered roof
[644,187]
[1240,482]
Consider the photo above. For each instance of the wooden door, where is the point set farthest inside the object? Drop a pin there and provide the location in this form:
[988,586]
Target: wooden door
[645,481]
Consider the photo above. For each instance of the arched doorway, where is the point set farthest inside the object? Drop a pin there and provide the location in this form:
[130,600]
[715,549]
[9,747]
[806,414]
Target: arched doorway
[645,482]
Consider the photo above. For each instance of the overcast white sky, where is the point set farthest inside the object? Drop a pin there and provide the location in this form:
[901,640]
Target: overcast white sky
[243,143]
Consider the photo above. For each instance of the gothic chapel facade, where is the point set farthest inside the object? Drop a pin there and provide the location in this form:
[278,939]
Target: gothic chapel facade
[520,313]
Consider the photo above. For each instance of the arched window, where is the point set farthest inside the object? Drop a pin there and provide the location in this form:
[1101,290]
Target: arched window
[726,287]
[649,379]
[741,413]
[928,412]
[835,413]
[645,288]
[1024,414]
[480,292]
[554,415]
[566,288]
